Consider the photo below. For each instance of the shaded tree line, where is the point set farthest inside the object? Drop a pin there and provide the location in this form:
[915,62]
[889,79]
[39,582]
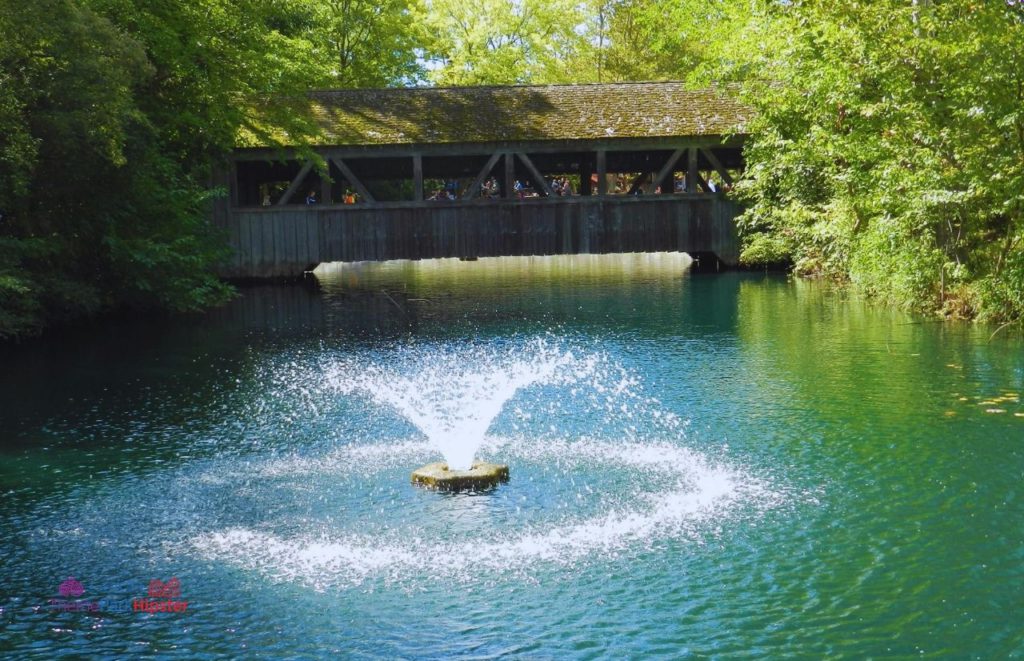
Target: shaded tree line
[887,152]
[113,114]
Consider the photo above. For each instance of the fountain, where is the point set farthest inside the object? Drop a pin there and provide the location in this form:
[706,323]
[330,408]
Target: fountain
[454,399]
[601,469]
[480,476]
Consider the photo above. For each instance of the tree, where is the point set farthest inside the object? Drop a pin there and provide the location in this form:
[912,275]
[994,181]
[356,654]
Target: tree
[500,41]
[888,149]
[373,43]
[67,113]
[114,113]
[659,39]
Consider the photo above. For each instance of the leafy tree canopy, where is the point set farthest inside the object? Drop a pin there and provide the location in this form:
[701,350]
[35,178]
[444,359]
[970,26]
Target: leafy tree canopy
[888,151]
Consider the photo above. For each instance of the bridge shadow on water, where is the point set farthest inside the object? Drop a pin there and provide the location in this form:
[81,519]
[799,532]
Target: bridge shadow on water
[655,294]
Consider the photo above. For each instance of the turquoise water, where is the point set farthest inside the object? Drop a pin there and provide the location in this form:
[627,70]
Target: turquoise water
[732,465]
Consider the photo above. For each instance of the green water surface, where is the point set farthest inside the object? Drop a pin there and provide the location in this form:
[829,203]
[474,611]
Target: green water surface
[891,447]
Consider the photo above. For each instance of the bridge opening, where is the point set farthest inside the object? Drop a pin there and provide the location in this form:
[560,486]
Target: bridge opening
[513,175]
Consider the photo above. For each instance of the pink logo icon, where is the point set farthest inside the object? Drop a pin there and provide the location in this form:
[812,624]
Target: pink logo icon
[71,588]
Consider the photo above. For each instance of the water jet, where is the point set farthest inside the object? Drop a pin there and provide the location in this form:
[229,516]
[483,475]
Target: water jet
[481,475]
[455,395]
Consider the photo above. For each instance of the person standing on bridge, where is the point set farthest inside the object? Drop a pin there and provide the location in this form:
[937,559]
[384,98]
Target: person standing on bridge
[311,198]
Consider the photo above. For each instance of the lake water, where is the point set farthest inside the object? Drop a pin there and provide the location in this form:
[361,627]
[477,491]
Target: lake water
[734,465]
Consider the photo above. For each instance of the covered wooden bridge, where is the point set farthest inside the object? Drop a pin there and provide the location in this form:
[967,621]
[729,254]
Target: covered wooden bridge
[488,171]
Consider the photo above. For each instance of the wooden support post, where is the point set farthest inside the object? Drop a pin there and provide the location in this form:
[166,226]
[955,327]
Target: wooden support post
[602,172]
[538,178]
[474,188]
[233,184]
[325,184]
[417,177]
[666,172]
[510,176]
[296,182]
[586,170]
[715,163]
[352,179]
[691,171]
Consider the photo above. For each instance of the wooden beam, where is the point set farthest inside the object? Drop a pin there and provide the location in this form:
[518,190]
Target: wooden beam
[602,172]
[638,181]
[481,149]
[474,188]
[535,173]
[666,171]
[715,163]
[417,177]
[693,178]
[296,182]
[691,170]
[352,179]
[325,185]
[700,182]
[510,175]
[586,170]
[233,184]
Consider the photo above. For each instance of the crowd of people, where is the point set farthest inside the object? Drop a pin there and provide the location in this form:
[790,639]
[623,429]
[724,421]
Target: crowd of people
[348,198]
[617,184]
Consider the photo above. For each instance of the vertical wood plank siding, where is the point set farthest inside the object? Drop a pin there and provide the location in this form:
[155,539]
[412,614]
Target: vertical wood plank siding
[276,242]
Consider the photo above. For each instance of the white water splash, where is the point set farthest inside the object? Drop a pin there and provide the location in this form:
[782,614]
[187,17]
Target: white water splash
[453,395]
[637,484]
[697,491]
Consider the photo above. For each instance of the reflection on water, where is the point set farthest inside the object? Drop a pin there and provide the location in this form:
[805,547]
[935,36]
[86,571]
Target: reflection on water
[757,466]
[393,299]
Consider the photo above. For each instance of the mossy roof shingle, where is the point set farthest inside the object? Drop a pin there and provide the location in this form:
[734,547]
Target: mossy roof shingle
[524,113]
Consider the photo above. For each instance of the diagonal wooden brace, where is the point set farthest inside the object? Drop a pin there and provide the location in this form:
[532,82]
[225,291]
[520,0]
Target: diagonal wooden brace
[352,179]
[474,188]
[717,164]
[535,173]
[296,182]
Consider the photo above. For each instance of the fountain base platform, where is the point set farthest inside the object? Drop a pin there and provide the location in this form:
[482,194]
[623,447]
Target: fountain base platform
[481,475]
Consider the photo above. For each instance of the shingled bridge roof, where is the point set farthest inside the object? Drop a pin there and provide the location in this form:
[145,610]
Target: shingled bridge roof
[398,116]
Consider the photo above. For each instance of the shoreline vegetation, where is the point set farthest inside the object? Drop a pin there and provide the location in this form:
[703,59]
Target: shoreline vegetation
[886,156]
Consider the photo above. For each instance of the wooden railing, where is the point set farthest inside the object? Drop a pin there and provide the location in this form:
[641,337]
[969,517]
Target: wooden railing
[285,241]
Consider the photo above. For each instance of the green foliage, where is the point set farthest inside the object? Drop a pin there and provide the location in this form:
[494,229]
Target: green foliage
[566,41]
[888,150]
[889,147]
[501,41]
[658,39]
[112,115]
[69,114]
[372,43]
